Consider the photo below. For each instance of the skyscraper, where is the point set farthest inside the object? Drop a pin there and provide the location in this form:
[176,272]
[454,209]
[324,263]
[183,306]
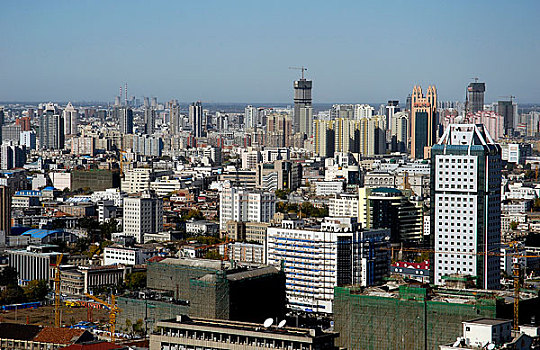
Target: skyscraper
[125,116]
[176,119]
[71,120]
[302,99]
[51,129]
[196,119]
[149,120]
[475,97]
[423,121]
[508,112]
[5,210]
[143,214]
[250,117]
[466,205]
[306,121]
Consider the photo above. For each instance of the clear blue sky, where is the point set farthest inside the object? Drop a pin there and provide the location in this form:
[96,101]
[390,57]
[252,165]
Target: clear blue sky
[240,51]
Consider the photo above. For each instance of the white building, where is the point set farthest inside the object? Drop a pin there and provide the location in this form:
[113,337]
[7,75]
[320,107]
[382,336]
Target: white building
[61,180]
[137,180]
[345,205]
[250,117]
[328,188]
[318,259]
[466,199]
[71,120]
[166,185]
[110,194]
[142,215]
[244,252]
[126,256]
[250,159]
[245,205]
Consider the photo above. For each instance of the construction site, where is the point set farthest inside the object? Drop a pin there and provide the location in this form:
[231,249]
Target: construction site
[416,316]
[45,315]
[208,289]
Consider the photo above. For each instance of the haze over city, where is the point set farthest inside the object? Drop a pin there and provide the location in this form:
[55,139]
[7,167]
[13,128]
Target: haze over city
[240,51]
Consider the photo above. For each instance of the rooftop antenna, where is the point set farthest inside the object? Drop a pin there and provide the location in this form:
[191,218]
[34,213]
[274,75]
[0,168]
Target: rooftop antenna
[268,322]
[120,101]
[475,79]
[282,324]
[126,95]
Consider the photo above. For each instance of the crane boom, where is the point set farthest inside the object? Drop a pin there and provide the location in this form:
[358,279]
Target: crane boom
[113,310]
[303,69]
[57,290]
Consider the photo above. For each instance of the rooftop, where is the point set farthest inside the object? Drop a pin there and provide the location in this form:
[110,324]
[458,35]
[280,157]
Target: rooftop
[489,321]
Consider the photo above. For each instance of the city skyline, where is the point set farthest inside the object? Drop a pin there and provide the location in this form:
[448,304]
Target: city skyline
[233,53]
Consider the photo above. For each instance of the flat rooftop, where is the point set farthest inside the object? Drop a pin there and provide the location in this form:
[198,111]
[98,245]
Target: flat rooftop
[489,321]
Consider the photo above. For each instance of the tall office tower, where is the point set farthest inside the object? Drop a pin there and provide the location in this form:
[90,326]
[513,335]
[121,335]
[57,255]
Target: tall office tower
[466,200]
[51,129]
[5,210]
[250,117]
[1,116]
[302,98]
[400,129]
[117,101]
[278,130]
[12,156]
[125,117]
[71,120]
[153,102]
[324,138]
[508,111]
[346,111]
[149,120]
[392,107]
[146,102]
[142,215]
[196,119]
[423,121]
[475,97]
[306,121]
[176,119]
[239,204]
[316,260]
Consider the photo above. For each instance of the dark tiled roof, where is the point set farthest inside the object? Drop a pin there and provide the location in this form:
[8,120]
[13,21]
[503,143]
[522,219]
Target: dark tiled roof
[18,331]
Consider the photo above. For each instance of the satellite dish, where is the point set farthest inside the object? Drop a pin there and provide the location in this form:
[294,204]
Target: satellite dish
[491,346]
[282,324]
[268,322]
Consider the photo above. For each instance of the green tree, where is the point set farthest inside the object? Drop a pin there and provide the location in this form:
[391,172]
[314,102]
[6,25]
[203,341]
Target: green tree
[213,255]
[135,280]
[36,290]
[513,225]
[13,294]
[194,214]
[8,276]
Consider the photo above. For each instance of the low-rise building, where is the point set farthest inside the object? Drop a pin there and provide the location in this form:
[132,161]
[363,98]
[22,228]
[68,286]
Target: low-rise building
[114,255]
[194,333]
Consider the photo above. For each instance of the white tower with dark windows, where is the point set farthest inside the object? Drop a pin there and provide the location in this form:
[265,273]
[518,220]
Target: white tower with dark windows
[466,205]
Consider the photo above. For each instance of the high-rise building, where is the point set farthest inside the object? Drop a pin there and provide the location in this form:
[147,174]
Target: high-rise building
[149,120]
[318,259]
[12,156]
[176,119]
[466,205]
[323,141]
[28,139]
[278,130]
[250,117]
[71,120]
[51,129]
[475,97]
[142,215]
[24,123]
[196,119]
[125,116]
[1,116]
[302,99]
[5,211]
[400,129]
[306,121]
[423,121]
[245,205]
[508,110]
[392,107]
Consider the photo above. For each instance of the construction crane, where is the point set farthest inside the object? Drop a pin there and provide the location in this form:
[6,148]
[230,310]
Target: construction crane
[475,79]
[57,290]
[510,97]
[303,69]
[113,310]
[121,152]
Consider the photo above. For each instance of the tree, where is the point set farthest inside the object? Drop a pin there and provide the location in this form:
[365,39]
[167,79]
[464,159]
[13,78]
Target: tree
[8,276]
[213,255]
[194,214]
[513,225]
[13,294]
[36,290]
[135,280]
[536,205]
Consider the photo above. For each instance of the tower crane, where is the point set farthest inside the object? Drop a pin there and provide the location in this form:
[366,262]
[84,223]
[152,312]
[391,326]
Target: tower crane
[57,291]
[113,310]
[303,69]
[511,97]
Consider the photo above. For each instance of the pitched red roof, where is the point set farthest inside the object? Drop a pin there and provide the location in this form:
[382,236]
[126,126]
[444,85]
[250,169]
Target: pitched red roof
[59,335]
[102,345]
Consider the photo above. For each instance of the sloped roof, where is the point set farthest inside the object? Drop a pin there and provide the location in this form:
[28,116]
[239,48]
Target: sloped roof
[37,233]
[59,335]
[18,331]
[99,345]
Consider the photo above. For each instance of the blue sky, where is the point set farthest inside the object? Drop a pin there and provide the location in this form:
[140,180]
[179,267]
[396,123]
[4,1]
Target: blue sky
[240,51]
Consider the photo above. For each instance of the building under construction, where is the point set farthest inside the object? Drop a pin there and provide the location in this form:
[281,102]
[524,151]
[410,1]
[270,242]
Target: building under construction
[209,289]
[415,316]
